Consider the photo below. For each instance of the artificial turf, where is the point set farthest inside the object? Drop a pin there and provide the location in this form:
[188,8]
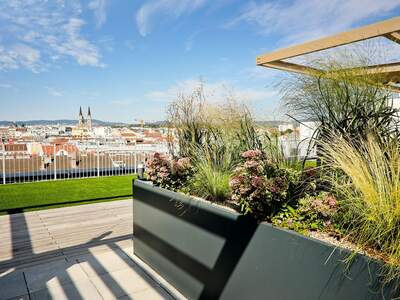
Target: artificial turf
[24,197]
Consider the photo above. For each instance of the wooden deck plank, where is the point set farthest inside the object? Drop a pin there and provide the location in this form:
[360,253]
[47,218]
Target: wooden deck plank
[33,237]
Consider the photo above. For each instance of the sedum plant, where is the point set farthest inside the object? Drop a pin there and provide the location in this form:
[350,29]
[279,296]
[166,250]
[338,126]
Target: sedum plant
[261,188]
[168,173]
[313,213]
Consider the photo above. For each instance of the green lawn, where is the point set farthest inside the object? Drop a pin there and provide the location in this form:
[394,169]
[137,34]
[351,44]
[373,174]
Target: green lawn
[49,194]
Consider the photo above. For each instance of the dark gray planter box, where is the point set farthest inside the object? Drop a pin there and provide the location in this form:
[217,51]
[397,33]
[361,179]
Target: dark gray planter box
[208,252]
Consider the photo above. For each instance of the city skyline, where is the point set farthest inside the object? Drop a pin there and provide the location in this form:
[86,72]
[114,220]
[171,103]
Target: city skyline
[127,60]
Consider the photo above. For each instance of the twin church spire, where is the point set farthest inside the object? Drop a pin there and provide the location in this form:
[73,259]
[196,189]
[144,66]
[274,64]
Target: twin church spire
[82,123]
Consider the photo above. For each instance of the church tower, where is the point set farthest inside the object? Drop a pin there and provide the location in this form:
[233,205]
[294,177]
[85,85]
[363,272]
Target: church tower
[89,119]
[81,120]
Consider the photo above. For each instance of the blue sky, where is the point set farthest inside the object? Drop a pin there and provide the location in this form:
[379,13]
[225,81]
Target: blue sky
[127,59]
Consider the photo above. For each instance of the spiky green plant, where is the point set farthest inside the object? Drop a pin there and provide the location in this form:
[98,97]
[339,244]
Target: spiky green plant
[369,193]
[345,98]
[211,182]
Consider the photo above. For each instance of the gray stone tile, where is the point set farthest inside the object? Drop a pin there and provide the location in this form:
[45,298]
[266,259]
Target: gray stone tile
[153,294]
[23,297]
[79,290]
[54,273]
[101,263]
[120,283]
[12,285]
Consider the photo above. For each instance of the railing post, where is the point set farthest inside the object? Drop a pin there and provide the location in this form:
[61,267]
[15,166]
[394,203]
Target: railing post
[98,160]
[55,163]
[135,163]
[4,163]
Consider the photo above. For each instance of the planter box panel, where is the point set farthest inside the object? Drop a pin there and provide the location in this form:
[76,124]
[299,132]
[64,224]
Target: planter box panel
[282,265]
[187,238]
[167,266]
[207,252]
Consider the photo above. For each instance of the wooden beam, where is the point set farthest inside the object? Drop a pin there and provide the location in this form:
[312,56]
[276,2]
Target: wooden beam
[390,72]
[344,38]
[394,88]
[291,67]
[394,36]
[391,68]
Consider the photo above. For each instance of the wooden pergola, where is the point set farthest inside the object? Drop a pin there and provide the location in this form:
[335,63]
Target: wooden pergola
[389,29]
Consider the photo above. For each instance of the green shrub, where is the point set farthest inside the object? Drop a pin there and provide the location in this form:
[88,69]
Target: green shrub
[261,188]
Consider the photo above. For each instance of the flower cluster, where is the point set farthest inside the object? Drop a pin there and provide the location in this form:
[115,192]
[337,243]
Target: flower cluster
[259,187]
[325,205]
[313,213]
[168,173]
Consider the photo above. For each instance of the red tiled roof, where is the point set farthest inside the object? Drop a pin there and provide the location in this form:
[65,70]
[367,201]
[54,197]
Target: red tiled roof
[49,149]
[130,134]
[152,134]
[15,147]
[59,141]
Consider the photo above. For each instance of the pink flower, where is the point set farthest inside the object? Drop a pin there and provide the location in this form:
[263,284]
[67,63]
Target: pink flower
[251,164]
[243,190]
[182,164]
[316,203]
[257,181]
[331,200]
[163,174]
[235,181]
[163,169]
[251,153]
[157,155]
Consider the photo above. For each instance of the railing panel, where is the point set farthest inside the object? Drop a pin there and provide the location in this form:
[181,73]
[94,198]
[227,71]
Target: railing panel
[23,167]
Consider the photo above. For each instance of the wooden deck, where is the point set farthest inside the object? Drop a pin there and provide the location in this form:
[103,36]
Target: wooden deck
[30,238]
[81,252]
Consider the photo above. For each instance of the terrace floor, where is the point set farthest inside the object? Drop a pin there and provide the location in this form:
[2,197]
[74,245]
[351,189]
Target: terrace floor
[79,252]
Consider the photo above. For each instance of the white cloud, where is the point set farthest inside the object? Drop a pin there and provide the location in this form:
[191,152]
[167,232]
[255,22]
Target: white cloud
[215,91]
[74,45]
[167,8]
[300,20]
[19,55]
[5,85]
[99,8]
[36,33]
[53,92]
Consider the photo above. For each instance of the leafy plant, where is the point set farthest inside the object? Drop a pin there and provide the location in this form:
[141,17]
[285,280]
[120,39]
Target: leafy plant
[312,213]
[259,187]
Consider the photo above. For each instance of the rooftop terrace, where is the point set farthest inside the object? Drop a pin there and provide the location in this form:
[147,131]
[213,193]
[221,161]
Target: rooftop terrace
[81,252]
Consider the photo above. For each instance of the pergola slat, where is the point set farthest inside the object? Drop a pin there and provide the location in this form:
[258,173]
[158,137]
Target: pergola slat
[394,36]
[389,29]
